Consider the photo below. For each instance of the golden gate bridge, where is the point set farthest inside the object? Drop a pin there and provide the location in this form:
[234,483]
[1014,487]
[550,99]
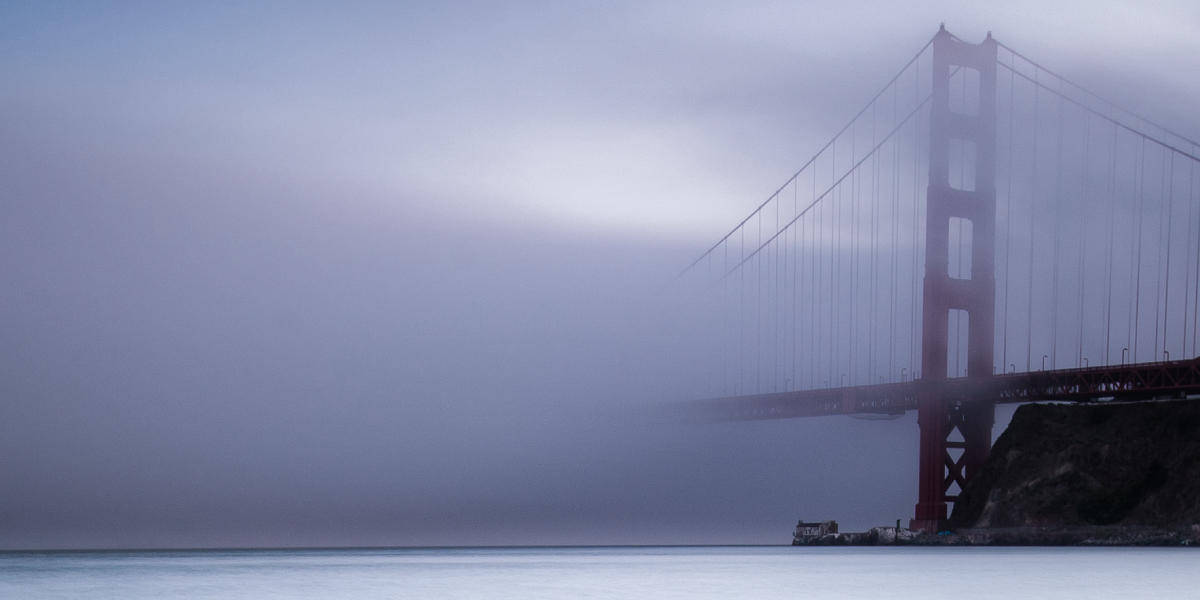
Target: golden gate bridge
[984,230]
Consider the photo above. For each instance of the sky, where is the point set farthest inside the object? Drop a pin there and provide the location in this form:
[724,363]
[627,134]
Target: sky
[303,274]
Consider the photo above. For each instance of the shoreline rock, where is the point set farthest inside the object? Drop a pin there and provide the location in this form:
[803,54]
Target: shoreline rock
[1015,536]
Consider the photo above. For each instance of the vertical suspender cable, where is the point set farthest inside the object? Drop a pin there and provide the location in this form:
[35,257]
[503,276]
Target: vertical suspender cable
[1058,233]
[1187,273]
[1032,226]
[1196,265]
[835,246]
[852,261]
[823,283]
[1112,234]
[895,218]
[814,286]
[758,312]
[1140,179]
[725,320]
[852,251]
[1170,190]
[795,275]
[1087,211]
[775,325]
[1158,259]
[741,314]
[875,296]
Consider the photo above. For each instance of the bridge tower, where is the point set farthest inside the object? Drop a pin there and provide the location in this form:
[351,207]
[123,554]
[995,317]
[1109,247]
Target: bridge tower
[939,415]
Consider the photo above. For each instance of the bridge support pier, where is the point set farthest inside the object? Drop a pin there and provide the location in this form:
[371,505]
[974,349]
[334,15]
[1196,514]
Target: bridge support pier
[956,433]
[956,436]
[931,504]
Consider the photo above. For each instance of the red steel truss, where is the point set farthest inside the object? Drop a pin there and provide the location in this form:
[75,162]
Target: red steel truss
[1143,381]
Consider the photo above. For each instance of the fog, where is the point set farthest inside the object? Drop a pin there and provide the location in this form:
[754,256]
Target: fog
[406,275]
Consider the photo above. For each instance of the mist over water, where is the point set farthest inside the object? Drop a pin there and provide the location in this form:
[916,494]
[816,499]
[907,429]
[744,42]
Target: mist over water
[289,375]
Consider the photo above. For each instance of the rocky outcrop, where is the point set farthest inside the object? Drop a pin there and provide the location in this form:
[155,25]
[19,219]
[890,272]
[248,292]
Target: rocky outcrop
[1098,535]
[876,536]
[1087,472]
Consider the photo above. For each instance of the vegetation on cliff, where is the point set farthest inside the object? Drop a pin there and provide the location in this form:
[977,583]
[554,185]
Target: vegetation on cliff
[1084,466]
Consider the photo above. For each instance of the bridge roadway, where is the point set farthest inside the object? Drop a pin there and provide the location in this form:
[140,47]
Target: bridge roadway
[1130,382]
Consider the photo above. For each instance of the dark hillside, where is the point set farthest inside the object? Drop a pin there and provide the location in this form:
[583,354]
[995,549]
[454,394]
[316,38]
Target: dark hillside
[1094,465]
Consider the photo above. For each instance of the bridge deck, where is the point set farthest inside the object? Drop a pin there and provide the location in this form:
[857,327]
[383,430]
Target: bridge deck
[1139,381]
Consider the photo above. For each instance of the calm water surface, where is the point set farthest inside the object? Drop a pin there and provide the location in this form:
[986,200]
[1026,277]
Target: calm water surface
[688,572]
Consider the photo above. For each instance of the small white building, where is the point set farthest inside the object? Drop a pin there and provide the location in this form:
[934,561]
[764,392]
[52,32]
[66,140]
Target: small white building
[810,531]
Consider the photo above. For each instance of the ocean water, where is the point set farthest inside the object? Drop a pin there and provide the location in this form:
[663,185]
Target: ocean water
[636,572]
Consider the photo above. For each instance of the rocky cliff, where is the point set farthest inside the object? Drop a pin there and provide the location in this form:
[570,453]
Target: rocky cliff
[1087,466]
